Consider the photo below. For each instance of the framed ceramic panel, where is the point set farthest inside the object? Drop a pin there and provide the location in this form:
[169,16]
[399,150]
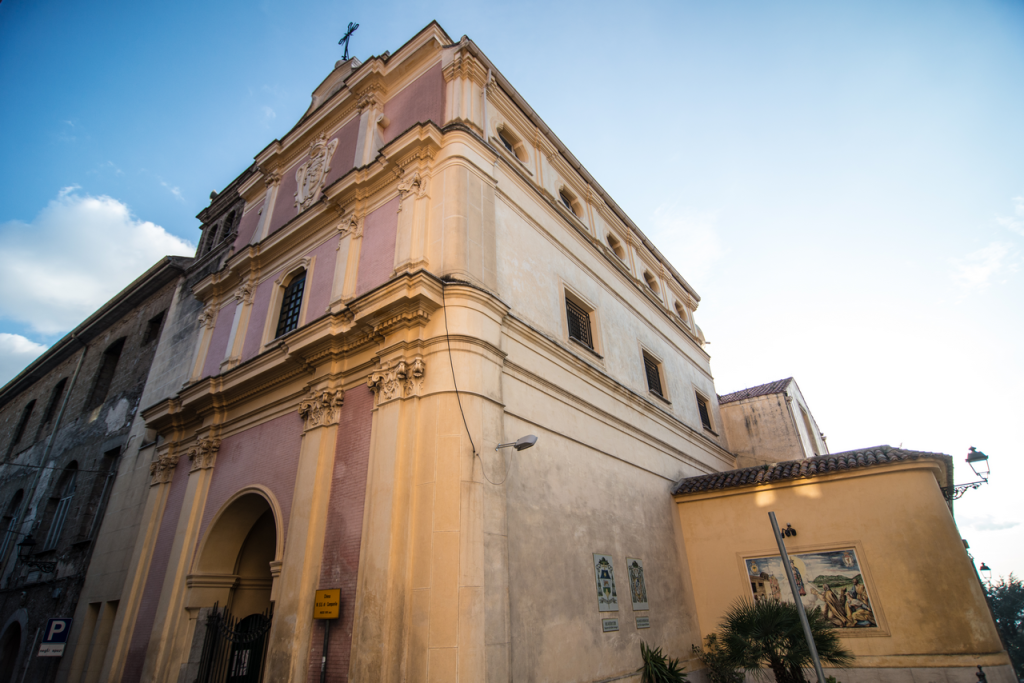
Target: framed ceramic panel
[607,600]
[831,580]
[637,585]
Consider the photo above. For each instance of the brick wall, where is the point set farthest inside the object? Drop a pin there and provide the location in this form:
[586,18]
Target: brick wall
[345,155]
[219,340]
[377,258]
[419,102]
[344,531]
[248,226]
[258,317]
[322,280]
[267,454]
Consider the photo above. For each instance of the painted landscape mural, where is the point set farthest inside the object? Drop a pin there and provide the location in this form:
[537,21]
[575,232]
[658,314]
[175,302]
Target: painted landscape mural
[831,581]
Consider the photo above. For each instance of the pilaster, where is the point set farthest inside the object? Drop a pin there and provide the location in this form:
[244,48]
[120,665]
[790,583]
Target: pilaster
[288,646]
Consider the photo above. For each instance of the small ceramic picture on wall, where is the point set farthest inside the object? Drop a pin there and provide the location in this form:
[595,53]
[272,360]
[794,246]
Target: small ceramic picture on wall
[607,600]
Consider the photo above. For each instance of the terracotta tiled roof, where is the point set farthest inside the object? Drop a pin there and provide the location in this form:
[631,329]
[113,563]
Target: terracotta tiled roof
[800,469]
[776,387]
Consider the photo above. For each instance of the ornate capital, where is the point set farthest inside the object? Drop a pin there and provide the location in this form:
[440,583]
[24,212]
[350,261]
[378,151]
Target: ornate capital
[352,225]
[243,294]
[398,379]
[271,178]
[416,185]
[203,453]
[322,408]
[161,471]
[208,316]
[370,96]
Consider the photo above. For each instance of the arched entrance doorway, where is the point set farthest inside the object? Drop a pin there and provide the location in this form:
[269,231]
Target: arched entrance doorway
[10,644]
[233,570]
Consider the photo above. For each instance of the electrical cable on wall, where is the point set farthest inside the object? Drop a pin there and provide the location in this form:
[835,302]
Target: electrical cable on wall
[445,281]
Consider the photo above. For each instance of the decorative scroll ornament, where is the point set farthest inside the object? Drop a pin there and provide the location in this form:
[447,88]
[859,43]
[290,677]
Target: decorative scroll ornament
[208,316]
[351,226]
[397,380]
[309,177]
[370,97]
[203,453]
[322,408]
[415,186]
[161,471]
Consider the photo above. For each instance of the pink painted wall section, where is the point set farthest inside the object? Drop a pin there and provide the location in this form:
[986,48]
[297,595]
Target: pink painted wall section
[340,561]
[323,279]
[155,579]
[248,226]
[419,102]
[219,341]
[258,317]
[267,454]
[344,156]
[284,204]
[377,258]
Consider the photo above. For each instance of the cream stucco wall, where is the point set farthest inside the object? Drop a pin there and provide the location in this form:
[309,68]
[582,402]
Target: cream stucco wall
[923,587]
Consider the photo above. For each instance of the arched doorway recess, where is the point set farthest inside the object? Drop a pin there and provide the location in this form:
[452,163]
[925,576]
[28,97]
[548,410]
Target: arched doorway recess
[10,645]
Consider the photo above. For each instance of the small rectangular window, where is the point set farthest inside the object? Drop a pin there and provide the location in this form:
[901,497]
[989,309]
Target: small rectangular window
[653,371]
[705,413]
[579,323]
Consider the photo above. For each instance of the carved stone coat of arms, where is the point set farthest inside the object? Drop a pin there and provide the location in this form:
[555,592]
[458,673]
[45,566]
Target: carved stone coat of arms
[309,177]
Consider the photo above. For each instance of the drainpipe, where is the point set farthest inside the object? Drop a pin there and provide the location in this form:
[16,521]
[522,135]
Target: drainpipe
[27,500]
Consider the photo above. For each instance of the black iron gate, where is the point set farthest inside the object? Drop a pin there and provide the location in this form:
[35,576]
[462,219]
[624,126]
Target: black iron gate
[234,649]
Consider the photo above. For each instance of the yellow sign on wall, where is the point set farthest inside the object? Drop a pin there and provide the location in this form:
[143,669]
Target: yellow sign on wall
[327,604]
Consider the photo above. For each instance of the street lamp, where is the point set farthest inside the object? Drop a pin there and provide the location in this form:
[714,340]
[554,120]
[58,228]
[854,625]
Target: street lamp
[986,573]
[979,465]
[978,462]
[24,550]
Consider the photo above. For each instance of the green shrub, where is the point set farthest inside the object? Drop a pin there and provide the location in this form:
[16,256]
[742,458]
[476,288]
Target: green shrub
[658,668]
[714,656]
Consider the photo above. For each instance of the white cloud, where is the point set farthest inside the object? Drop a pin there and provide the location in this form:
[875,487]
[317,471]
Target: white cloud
[173,190]
[689,239]
[15,353]
[269,113]
[1016,221]
[76,254]
[985,523]
[977,269]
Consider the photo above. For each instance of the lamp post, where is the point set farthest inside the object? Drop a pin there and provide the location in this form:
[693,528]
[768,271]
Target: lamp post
[986,573]
[979,465]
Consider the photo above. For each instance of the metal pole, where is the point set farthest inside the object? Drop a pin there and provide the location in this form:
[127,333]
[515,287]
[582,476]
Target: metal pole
[796,598]
[327,640]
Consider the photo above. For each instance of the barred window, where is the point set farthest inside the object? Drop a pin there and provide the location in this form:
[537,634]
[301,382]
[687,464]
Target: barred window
[705,415]
[579,323]
[61,513]
[291,304]
[653,376]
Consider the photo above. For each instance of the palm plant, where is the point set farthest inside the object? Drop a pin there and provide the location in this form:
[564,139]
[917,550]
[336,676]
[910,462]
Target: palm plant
[768,633]
[658,668]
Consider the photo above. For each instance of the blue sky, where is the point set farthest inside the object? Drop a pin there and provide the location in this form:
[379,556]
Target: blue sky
[843,183]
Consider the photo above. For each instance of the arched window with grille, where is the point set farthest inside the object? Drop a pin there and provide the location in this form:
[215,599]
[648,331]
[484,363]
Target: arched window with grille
[66,487]
[11,518]
[291,305]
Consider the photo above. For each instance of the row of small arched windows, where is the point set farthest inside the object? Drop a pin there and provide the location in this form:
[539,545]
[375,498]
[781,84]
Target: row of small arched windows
[215,234]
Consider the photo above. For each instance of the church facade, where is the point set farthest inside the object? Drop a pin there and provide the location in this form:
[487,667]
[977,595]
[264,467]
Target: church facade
[415,277]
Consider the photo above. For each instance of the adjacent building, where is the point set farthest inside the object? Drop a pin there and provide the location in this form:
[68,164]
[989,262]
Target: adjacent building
[65,425]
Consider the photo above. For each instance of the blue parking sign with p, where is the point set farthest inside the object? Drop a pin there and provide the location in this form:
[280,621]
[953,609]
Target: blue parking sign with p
[55,638]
